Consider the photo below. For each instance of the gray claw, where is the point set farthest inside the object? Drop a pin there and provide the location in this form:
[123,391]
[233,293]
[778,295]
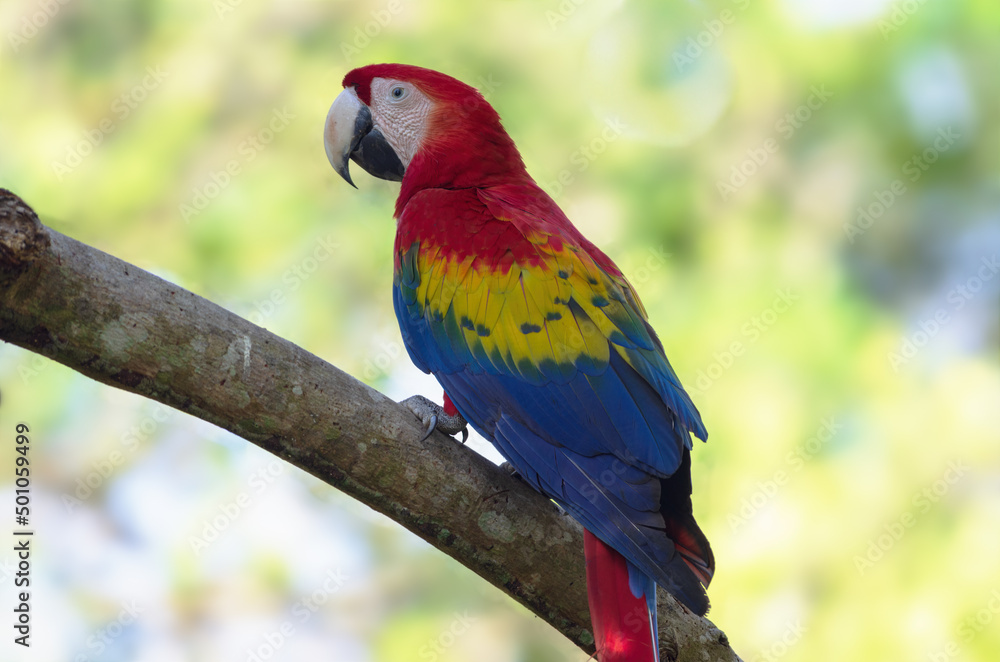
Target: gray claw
[430,427]
[509,468]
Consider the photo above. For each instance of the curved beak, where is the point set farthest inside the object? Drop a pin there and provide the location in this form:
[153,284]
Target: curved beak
[350,134]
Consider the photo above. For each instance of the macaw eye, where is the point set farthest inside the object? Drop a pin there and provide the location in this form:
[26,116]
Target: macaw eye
[397,92]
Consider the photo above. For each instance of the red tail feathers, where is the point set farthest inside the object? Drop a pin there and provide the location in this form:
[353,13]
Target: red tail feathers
[449,407]
[621,623]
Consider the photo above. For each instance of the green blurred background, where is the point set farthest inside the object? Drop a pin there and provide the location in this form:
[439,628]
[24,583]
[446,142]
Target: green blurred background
[806,194]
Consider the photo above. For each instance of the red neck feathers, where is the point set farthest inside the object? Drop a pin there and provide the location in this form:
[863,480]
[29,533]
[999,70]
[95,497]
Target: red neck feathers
[465,145]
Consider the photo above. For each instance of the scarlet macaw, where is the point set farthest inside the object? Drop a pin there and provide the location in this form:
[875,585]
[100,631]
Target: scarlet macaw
[537,338]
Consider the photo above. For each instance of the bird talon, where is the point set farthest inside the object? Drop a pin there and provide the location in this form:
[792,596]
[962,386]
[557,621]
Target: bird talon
[509,468]
[434,417]
[430,427]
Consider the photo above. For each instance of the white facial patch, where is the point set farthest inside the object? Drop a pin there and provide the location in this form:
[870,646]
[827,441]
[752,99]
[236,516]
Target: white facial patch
[401,111]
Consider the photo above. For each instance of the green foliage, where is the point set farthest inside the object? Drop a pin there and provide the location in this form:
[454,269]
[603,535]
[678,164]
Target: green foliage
[805,195]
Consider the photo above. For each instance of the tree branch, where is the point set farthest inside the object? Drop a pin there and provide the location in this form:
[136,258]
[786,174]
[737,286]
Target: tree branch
[124,327]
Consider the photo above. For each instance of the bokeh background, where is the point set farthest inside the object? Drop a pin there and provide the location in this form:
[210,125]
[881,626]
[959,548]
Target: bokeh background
[806,194]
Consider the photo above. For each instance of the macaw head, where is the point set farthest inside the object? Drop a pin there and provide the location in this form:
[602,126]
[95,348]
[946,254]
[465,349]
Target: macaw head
[405,123]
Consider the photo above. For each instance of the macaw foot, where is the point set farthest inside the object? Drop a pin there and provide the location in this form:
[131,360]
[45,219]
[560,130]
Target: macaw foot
[434,417]
[509,468]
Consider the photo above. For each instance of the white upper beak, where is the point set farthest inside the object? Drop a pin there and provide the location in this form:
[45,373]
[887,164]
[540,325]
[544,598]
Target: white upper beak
[339,134]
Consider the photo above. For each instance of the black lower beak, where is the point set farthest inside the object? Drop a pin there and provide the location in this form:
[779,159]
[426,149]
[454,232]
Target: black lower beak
[373,152]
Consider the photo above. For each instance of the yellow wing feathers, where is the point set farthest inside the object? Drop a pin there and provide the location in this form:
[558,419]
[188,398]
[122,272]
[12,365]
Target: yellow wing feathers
[542,320]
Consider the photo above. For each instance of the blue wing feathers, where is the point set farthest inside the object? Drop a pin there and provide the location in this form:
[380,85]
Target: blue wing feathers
[618,502]
[599,436]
